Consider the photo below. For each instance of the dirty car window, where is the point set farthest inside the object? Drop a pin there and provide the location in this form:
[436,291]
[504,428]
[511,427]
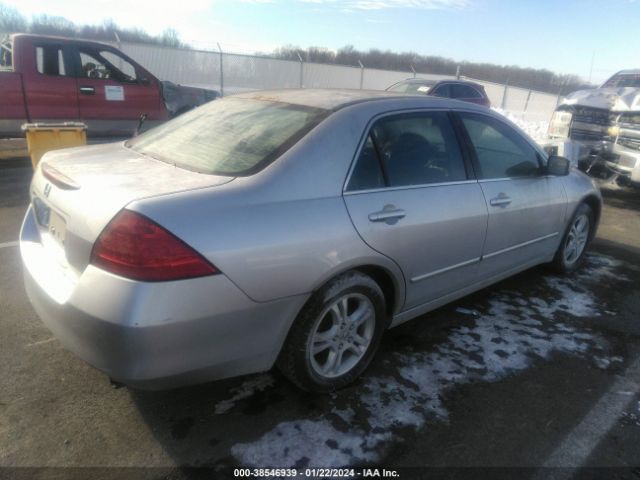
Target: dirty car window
[234,136]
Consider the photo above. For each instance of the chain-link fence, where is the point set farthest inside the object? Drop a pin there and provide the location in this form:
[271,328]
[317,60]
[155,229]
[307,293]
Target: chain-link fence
[232,73]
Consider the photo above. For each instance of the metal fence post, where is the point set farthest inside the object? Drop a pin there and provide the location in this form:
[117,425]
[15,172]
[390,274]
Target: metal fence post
[301,70]
[221,73]
[526,103]
[361,74]
[504,96]
[458,72]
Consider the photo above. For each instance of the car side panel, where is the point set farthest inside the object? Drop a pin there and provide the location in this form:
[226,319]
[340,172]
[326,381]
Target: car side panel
[269,249]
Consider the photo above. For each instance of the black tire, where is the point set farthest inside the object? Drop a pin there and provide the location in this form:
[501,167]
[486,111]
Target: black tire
[295,360]
[560,262]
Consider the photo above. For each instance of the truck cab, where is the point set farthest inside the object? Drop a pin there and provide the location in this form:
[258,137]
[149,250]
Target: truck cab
[599,129]
[50,79]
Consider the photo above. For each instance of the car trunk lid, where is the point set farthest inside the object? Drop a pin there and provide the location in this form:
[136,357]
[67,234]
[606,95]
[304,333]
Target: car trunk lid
[76,192]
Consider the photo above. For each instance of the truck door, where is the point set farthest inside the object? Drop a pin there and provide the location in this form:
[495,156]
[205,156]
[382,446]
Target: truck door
[113,92]
[49,86]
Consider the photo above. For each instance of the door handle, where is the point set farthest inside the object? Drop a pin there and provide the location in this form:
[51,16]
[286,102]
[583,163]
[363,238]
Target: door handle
[387,215]
[87,90]
[501,200]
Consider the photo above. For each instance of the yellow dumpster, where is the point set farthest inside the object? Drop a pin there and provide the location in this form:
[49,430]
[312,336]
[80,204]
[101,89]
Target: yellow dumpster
[43,137]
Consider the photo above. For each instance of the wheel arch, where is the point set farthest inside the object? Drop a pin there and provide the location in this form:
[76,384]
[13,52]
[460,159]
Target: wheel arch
[388,277]
[595,203]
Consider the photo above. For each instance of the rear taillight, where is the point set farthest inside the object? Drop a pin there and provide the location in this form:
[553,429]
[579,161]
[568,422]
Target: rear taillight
[136,247]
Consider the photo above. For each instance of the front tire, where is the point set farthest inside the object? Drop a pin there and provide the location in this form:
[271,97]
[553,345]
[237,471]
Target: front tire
[572,249]
[335,335]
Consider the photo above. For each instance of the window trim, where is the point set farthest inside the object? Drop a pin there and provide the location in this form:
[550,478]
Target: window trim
[470,173]
[540,157]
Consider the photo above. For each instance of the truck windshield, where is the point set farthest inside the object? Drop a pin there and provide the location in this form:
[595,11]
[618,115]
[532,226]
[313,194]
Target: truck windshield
[233,137]
[623,80]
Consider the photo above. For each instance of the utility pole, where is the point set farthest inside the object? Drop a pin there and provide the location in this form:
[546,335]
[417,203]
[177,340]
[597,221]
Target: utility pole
[593,57]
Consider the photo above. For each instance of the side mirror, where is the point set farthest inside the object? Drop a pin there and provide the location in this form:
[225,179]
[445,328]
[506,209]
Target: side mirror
[558,166]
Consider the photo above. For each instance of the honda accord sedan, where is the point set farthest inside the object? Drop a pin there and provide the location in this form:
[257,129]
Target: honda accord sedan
[288,228]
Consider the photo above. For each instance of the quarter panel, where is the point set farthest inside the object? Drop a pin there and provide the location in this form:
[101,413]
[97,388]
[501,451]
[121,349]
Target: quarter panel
[270,249]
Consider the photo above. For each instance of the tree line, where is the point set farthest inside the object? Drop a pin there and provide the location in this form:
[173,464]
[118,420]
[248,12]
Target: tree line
[537,79]
[531,78]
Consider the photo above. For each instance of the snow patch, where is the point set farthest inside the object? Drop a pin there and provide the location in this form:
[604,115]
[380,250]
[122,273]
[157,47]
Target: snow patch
[537,130]
[245,390]
[513,333]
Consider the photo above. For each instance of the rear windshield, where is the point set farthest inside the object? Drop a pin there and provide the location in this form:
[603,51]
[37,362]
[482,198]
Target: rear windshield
[623,80]
[231,137]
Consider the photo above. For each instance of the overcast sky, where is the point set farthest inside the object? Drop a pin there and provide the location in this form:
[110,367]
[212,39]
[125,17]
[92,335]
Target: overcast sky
[560,35]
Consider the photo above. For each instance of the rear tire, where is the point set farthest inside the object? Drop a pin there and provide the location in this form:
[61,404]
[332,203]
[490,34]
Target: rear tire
[572,249]
[335,336]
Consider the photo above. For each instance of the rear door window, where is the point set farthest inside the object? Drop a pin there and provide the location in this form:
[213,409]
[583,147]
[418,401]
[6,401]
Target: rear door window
[50,60]
[411,149]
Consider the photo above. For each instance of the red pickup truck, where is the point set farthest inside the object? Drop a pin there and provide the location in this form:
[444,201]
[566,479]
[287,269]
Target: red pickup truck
[50,79]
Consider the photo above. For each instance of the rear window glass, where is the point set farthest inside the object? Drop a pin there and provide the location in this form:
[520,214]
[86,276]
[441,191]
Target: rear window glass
[233,137]
[623,80]
[412,87]
[464,91]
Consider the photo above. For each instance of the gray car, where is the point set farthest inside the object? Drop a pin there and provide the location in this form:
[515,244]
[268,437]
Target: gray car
[288,227]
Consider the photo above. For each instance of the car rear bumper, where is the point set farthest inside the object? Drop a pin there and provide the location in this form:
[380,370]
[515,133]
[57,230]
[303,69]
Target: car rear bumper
[156,335]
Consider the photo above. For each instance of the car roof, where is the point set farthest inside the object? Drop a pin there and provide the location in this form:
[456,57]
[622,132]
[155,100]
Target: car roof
[443,80]
[335,99]
[13,36]
[632,71]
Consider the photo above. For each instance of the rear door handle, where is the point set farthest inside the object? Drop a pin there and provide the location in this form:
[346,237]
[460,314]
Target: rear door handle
[87,90]
[501,200]
[387,215]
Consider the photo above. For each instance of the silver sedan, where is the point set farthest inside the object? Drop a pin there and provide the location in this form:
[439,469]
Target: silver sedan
[289,228]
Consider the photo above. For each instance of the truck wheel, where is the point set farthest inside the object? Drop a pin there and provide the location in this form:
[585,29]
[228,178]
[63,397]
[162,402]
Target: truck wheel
[335,335]
[572,249]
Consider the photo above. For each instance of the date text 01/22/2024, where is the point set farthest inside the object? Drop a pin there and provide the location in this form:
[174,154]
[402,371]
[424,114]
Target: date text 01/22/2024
[315,473]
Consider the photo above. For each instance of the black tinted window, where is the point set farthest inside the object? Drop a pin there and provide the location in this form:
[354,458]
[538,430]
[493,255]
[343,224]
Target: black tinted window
[501,151]
[418,149]
[367,173]
[464,91]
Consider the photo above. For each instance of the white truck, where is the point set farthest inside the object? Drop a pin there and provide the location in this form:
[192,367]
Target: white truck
[598,130]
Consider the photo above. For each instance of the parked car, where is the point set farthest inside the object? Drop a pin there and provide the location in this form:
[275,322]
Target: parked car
[599,129]
[290,228]
[50,79]
[458,89]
